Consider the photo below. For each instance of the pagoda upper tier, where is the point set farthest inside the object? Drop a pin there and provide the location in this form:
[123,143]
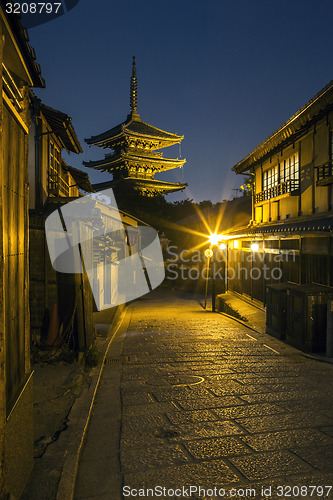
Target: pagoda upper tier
[133,160]
[135,133]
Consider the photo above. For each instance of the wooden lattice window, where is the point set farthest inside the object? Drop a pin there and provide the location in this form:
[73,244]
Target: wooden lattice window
[54,169]
[289,168]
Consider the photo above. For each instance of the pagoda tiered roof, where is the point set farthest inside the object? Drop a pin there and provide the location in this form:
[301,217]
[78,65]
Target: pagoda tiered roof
[149,187]
[134,160]
[133,130]
[119,160]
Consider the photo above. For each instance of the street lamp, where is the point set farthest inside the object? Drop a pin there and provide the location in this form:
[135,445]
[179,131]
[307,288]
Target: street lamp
[208,255]
[214,240]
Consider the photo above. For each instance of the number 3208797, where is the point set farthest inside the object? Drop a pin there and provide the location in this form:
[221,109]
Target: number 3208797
[32,8]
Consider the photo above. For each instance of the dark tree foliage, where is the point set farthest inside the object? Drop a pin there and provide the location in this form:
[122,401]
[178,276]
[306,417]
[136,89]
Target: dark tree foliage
[172,219]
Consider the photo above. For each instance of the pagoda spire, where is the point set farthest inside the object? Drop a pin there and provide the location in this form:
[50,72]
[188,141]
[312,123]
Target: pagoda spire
[134,161]
[134,90]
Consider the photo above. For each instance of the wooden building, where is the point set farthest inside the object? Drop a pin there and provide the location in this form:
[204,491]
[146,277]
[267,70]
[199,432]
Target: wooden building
[59,311]
[133,161]
[19,72]
[290,234]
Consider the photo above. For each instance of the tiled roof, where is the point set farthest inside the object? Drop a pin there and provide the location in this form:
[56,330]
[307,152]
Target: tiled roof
[81,178]
[317,107]
[118,160]
[133,126]
[61,125]
[22,38]
[141,128]
[316,224]
[144,183]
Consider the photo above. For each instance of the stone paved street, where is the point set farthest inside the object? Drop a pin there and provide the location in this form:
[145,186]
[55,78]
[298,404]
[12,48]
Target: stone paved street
[193,398]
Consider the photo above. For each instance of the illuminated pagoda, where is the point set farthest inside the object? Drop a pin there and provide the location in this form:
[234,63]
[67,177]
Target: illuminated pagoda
[134,161]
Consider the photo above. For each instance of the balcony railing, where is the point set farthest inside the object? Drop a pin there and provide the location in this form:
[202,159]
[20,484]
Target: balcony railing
[324,172]
[58,186]
[284,187]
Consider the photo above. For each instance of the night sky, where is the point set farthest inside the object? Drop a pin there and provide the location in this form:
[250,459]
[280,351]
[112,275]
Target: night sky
[223,74]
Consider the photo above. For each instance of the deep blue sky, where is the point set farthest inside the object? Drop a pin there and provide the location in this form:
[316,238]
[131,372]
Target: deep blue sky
[223,74]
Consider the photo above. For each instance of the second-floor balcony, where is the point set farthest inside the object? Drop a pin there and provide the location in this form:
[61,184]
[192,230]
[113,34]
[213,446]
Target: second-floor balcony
[58,185]
[325,174]
[291,186]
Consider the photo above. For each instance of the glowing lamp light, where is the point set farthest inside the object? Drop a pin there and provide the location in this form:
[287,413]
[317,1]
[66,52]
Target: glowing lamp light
[222,246]
[208,253]
[236,244]
[254,247]
[214,239]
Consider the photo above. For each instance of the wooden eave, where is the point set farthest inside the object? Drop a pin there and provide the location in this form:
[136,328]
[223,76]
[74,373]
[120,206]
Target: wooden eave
[20,55]
[119,161]
[61,125]
[81,178]
[293,129]
[158,186]
[110,137]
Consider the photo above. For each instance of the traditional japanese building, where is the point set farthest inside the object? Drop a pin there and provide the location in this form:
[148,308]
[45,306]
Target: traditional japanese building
[57,304]
[19,72]
[289,236]
[134,161]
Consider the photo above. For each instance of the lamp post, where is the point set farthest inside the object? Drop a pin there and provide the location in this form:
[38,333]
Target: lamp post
[224,247]
[208,255]
[214,240]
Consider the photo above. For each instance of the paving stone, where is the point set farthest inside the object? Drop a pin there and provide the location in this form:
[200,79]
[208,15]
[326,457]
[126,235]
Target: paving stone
[206,449]
[136,398]
[266,489]
[322,484]
[264,465]
[286,439]
[320,457]
[181,417]
[206,430]
[248,411]
[236,388]
[207,475]
[179,393]
[147,424]
[279,396]
[283,421]
[212,402]
[257,418]
[311,405]
[222,375]
[163,455]
[148,410]
[328,430]
[260,379]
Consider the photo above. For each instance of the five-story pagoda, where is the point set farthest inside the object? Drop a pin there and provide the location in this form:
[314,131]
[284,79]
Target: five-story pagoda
[134,161]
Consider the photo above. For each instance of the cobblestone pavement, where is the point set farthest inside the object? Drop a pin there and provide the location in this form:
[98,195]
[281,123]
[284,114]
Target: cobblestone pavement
[206,402]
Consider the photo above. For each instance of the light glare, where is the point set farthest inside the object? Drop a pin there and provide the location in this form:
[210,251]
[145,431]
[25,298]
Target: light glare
[215,238]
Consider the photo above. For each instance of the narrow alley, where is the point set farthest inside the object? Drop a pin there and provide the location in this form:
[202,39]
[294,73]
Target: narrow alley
[193,404]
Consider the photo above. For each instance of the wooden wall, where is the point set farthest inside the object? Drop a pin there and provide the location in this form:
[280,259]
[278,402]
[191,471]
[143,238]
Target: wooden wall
[303,259]
[15,373]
